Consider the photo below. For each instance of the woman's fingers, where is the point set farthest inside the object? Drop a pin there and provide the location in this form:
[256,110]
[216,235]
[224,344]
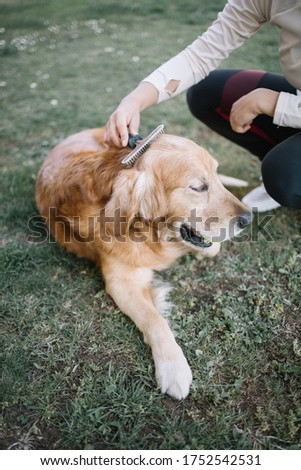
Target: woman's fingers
[120,123]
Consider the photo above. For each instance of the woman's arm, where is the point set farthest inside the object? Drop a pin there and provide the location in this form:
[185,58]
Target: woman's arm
[238,21]
[284,108]
[288,110]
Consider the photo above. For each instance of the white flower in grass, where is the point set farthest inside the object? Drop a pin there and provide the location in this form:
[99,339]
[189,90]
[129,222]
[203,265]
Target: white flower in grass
[109,89]
[2,30]
[54,102]
[23,42]
[135,58]
[33,85]
[54,29]
[109,49]
[94,24]
[72,25]
[2,43]
[2,84]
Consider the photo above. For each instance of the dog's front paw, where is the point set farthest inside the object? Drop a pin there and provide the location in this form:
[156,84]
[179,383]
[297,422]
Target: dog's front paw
[174,376]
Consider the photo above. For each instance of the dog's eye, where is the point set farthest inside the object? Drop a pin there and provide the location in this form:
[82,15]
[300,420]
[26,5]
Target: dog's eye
[200,189]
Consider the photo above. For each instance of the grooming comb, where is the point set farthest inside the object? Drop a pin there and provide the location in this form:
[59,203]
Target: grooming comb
[141,146]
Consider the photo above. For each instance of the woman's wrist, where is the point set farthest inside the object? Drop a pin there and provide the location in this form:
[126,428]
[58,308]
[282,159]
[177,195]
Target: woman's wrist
[144,96]
[266,101]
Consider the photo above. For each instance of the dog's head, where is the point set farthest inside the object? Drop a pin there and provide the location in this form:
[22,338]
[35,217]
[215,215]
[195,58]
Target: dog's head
[175,186]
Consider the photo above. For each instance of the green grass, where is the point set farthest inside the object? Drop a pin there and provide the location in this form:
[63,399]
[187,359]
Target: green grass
[76,373]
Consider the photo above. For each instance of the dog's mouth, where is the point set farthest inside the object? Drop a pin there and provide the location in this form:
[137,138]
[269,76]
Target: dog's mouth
[190,235]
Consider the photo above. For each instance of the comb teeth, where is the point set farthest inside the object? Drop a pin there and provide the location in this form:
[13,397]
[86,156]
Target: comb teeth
[141,147]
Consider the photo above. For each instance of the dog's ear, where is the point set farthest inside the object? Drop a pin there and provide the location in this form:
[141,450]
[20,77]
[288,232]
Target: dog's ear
[149,195]
[135,194]
[122,207]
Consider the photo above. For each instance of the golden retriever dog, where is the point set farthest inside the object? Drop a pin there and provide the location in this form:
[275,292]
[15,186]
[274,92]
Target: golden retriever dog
[134,221]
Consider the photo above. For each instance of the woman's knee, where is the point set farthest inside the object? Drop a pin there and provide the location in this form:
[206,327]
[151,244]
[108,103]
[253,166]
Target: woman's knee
[205,96]
[199,101]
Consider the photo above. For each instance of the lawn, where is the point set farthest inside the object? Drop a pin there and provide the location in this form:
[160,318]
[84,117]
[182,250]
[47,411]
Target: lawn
[76,373]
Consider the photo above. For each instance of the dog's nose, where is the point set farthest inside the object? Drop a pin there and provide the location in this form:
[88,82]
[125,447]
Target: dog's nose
[244,219]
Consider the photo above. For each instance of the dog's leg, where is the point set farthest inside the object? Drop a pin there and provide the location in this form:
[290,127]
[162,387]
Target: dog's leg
[131,290]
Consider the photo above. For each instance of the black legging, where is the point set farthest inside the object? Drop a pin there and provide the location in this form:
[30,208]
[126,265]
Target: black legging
[279,148]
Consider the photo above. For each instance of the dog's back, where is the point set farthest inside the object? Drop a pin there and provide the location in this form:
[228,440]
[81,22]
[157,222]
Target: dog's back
[75,181]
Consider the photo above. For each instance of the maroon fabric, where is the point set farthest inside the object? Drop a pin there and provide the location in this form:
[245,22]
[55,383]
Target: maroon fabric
[238,85]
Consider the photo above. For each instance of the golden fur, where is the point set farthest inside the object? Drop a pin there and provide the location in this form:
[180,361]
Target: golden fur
[129,222]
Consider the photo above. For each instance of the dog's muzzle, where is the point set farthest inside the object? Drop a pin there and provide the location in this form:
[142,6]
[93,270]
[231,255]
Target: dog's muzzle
[189,235]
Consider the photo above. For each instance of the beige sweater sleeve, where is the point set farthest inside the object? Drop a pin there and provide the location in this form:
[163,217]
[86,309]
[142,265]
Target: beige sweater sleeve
[288,110]
[239,20]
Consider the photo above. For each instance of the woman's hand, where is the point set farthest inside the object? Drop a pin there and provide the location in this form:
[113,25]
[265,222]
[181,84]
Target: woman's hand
[126,118]
[245,110]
